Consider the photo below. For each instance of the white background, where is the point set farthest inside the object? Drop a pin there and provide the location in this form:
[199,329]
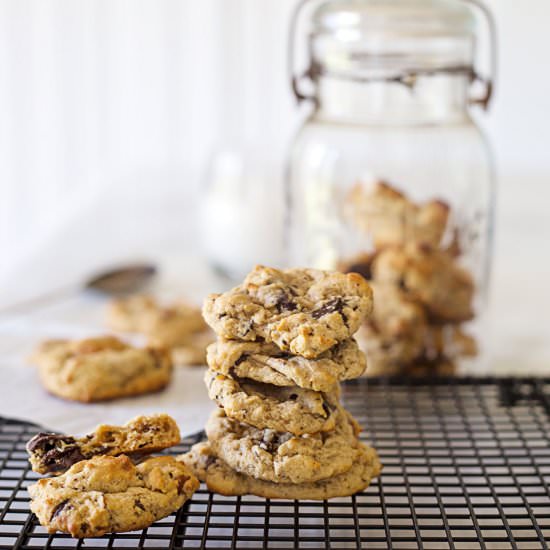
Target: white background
[109,110]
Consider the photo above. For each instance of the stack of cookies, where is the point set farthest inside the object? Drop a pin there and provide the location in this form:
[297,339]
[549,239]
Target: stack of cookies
[422,295]
[97,488]
[285,340]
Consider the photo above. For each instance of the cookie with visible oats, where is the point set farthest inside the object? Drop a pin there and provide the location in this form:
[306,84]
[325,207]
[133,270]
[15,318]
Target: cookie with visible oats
[267,363]
[286,409]
[386,214]
[178,327]
[430,276]
[220,478]
[395,334]
[282,457]
[111,495]
[302,311]
[98,369]
[54,453]
[131,313]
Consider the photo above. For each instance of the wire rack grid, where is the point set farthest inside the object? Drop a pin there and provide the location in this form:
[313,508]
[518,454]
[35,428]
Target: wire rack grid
[467,466]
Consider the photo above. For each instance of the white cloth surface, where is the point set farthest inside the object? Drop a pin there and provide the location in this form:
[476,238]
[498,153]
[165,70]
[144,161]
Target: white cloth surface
[185,400]
[23,397]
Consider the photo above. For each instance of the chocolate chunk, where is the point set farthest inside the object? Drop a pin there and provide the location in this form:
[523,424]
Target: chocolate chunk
[284,303]
[249,326]
[334,305]
[59,508]
[101,450]
[47,441]
[181,483]
[138,504]
[293,396]
[209,461]
[242,358]
[327,408]
[270,441]
[109,436]
[284,355]
[59,460]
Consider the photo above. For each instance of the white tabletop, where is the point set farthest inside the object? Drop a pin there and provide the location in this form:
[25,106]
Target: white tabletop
[82,315]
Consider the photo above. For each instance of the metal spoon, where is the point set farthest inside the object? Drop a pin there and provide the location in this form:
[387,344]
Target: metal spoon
[113,282]
[123,280]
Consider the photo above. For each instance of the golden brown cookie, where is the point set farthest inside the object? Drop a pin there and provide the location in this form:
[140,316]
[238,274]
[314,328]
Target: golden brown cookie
[111,495]
[431,277]
[394,336]
[391,219]
[97,369]
[219,477]
[282,457]
[178,327]
[302,311]
[267,363]
[292,409]
[131,313]
[54,453]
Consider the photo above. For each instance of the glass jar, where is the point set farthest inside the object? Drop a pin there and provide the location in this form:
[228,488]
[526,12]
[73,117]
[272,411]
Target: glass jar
[241,210]
[390,176]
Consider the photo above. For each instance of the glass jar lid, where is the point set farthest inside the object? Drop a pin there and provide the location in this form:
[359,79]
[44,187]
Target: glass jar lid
[392,39]
[388,37]
[395,17]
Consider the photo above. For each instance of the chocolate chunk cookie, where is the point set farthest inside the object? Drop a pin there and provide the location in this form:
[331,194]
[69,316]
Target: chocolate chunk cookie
[111,495]
[394,335]
[388,356]
[391,219]
[219,477]
[282,457]
[102,368]
[178,327]
[267,363]
[431,277]
[286,409]
[54,454]
[132,313]
[302,311]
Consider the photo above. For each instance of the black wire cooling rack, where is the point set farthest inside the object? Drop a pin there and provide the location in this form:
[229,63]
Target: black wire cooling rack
[467,465]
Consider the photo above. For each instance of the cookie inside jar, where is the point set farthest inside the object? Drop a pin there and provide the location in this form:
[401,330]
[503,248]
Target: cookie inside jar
[415,256]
